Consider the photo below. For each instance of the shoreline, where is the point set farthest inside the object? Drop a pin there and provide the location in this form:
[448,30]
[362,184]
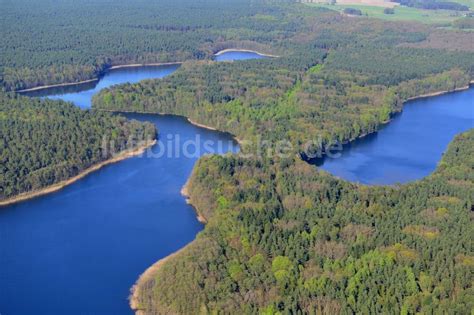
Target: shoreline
[45,87]
[404,103]
[60,185]
[147,275]
[187,198]
[192,122]
[132,65]
[137,65]
[438,93]
[220,52]
[151,271]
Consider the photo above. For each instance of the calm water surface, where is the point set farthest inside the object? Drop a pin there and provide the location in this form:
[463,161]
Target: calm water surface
[81,249]
[409,147]
[81,94]
[238,55]
[78,251]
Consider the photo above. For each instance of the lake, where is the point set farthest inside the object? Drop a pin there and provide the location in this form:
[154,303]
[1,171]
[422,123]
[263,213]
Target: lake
[81,94]
[238,55]
[410,146]
[80,250]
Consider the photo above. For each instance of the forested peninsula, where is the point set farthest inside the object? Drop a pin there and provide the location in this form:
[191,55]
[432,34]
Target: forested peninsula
[47,144]
[283,237]
[294,239]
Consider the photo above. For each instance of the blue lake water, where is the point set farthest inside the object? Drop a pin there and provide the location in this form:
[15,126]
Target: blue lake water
[238,55]
[81,94]
[79,250]
[410,146]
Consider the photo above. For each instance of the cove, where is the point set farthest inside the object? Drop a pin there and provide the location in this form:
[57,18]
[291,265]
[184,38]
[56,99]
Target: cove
[79,250]
[81,94]
[410,146]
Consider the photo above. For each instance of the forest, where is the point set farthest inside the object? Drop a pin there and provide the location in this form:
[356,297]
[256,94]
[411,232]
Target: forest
[282,237]
[80,40]
[43,142]
[52,42]
[285,238]
[333,83]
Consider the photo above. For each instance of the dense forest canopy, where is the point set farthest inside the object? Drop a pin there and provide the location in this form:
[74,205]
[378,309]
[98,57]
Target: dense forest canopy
[333,83]
[51,42]
[283,237]
[43,142]
[47,42]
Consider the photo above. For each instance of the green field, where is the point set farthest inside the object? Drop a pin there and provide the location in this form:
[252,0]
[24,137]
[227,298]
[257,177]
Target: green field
[442,17]
[469,3]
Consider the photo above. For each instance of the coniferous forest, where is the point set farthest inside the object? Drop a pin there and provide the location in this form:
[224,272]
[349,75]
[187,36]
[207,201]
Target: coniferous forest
[79,40]
[285,238]
[44,142]
[281,237]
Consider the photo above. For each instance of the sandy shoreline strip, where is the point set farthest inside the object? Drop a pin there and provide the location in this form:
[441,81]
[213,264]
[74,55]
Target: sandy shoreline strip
[44,87]
[427,95]
[58,186]
[220,52]
[137,65]
[150,272]
[146,276]
[185,194]
[192,122]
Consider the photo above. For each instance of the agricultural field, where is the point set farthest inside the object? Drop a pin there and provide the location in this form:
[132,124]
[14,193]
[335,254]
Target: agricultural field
[375,9]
